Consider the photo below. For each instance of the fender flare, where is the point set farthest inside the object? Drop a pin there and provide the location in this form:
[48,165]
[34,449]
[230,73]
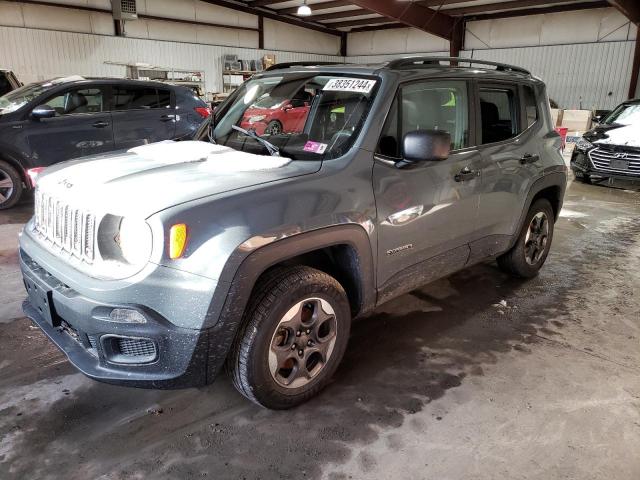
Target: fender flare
[230,309]
[18,165]
[553,178]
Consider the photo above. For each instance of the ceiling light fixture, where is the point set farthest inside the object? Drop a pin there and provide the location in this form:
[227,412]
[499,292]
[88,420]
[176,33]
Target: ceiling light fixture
[304,10]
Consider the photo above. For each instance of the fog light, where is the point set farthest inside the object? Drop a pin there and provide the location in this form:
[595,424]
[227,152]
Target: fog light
[126,315]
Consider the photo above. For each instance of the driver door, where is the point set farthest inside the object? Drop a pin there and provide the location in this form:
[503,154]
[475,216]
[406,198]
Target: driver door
[427,212]
[82,126]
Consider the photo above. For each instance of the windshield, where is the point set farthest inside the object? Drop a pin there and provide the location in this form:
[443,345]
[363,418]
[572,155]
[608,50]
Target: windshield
[624,115]
[16,99]
[306,116]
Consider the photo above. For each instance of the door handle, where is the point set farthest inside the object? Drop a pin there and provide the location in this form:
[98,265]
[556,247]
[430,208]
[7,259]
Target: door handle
[100,124]
[528,158]
[167,118]
[466,174]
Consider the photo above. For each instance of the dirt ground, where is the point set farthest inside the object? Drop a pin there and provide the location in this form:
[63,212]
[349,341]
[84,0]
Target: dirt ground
[476,376]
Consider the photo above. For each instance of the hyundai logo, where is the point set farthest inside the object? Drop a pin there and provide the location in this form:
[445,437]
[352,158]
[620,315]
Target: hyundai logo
[621,155]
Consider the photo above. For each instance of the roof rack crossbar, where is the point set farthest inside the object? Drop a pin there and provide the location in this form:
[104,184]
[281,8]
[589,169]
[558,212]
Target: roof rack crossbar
[278,66]
[434,61]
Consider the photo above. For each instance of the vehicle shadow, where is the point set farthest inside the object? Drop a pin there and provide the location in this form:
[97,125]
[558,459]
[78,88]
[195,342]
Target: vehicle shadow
[409,353]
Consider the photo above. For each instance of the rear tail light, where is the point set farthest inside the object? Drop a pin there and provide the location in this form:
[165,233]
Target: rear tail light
[33,175]
[204,112]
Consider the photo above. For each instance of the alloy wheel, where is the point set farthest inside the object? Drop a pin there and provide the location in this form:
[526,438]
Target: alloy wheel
[6,186]
[535,242]
[303,342]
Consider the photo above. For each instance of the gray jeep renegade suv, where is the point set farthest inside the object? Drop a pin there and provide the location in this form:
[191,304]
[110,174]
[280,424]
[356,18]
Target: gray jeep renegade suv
[155,267]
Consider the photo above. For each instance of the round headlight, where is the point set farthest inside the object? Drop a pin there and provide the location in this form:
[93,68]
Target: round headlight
[135,241]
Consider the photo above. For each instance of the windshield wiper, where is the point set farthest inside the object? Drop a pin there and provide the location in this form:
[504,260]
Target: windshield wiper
[273,150]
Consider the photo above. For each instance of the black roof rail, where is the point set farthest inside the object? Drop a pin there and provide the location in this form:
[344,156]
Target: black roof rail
[408,62]
[278,66]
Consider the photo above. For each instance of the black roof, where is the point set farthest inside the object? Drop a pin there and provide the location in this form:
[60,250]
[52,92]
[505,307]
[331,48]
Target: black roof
[80,80]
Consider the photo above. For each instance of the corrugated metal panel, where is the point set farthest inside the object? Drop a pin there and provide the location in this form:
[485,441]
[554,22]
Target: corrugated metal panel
[41,54]
[383,58]
[588,75]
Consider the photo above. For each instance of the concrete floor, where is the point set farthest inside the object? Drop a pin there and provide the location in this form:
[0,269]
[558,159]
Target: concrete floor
[442,383]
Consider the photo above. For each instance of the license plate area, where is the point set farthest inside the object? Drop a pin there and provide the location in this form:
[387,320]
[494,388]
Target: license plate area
[618,164]
[41,297]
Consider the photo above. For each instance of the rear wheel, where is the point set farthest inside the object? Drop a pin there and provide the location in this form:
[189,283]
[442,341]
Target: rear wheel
[295,333]
[10,186]
[532,247]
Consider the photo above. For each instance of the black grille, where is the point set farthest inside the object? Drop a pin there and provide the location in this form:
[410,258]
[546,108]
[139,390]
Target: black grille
[136,347]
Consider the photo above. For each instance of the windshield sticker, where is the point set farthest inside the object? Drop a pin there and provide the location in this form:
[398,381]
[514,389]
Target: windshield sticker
[359,85]
[315,147]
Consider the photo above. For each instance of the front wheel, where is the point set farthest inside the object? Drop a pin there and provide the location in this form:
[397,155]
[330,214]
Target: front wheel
[295,332]
[532,247]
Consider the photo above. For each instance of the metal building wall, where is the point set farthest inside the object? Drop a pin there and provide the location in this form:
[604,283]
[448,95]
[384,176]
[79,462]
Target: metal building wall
[41,54]
[579,76]
[390,56]
[587,75]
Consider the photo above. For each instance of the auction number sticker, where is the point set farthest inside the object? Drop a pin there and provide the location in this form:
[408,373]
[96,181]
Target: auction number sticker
[360,85]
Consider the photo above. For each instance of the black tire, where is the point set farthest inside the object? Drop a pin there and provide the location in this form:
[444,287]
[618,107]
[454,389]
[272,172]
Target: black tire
[9,196]
[273,297]
[515,261]
[584,178]
[274,127]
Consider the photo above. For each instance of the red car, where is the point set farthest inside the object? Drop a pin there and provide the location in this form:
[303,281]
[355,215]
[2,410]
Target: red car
[274,116]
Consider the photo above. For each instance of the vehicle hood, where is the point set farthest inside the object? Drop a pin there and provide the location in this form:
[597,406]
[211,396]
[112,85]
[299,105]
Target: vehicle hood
[252,112]
[150,178]
[615,134]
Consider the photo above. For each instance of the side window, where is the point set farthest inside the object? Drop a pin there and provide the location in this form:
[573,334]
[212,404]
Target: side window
[77,101]
[427,106]
[530,105]
[389,145]
[499,114]
[140,98]
[164,98]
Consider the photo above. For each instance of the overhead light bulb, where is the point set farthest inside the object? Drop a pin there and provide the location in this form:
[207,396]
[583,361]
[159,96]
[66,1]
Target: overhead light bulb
[304,10]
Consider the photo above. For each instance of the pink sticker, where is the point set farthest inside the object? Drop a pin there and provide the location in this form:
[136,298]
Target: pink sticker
[315,147]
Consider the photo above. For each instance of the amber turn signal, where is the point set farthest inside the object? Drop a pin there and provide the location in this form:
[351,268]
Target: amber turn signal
[177,240]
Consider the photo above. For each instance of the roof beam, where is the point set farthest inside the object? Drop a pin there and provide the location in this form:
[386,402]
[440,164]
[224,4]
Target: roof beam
[539,11]
[264,3]
[273,15]
[630,8]
[318,6]
[372,28]
[493,7]
[338,15]
[360,22]
[411,14]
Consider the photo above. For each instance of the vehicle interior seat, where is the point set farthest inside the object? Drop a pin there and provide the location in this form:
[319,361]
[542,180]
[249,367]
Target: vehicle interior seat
[493,128]
[76,103]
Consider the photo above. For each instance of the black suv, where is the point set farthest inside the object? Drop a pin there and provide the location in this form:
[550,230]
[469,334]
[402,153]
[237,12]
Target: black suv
[47,122]
[612,148]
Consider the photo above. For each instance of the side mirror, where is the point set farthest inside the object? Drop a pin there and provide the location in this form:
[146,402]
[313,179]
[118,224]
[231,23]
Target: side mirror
[287,107]
[424,146]
[43,111]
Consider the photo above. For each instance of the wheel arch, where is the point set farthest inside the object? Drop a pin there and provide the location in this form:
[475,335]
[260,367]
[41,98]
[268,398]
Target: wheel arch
[351,262]
[552,187]
[19,168]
